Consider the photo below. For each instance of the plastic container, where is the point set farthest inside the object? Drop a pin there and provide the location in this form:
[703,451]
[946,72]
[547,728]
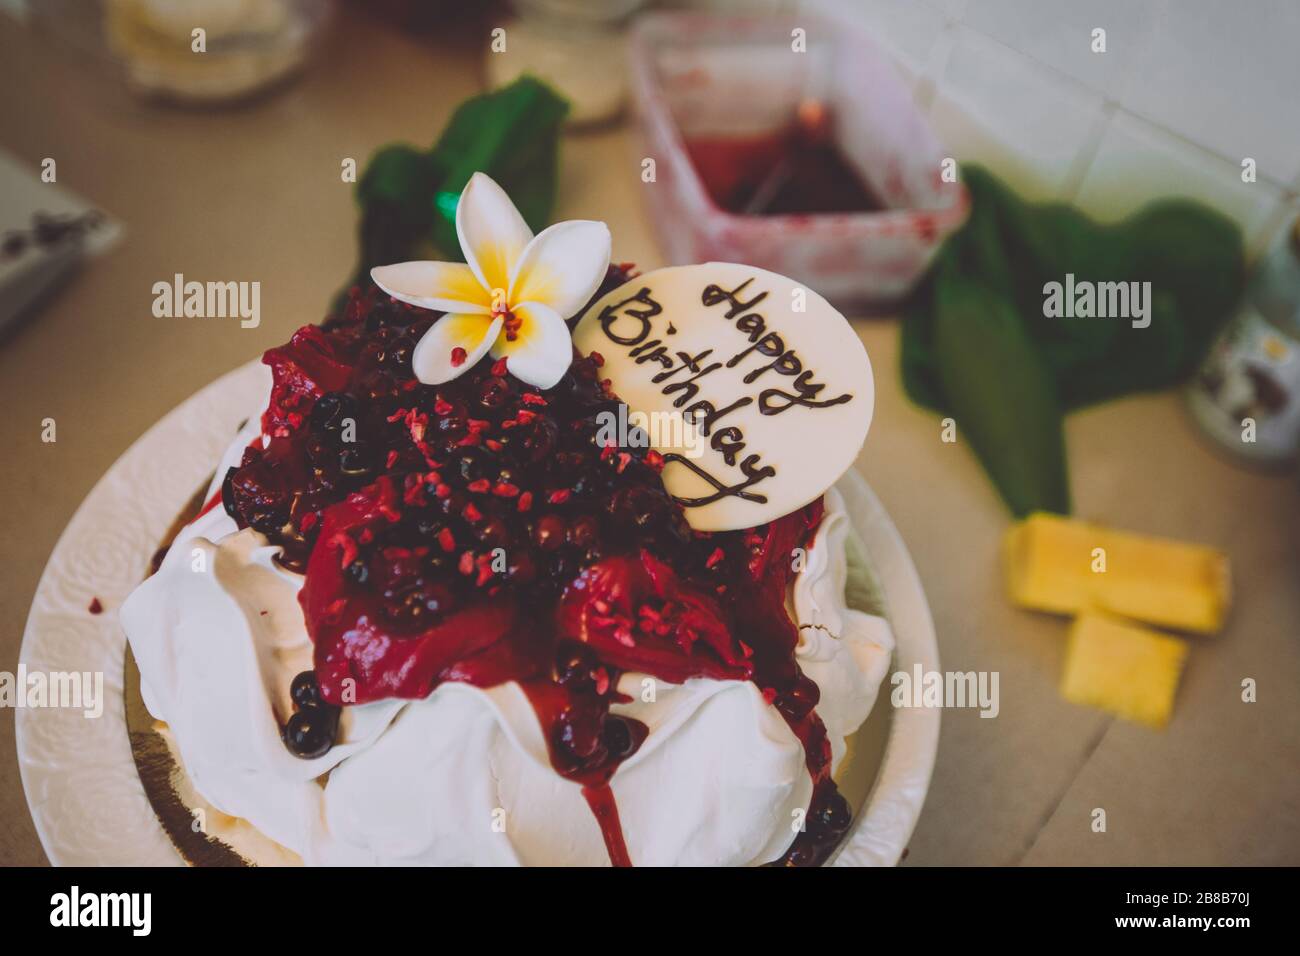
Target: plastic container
[706,75]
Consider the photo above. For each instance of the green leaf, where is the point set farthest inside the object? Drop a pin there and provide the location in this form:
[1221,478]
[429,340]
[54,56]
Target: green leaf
[396,174]
[1002,396]
[976,342]
[511,134]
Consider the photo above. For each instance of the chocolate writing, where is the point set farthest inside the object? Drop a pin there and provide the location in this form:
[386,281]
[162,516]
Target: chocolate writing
[768,344]
[680,375]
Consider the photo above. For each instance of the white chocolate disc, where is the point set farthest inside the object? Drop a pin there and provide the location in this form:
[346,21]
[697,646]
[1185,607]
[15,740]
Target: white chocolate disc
[754,388]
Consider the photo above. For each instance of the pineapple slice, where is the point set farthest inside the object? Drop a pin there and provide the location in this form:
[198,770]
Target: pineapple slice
[1124,668]
[1067,566]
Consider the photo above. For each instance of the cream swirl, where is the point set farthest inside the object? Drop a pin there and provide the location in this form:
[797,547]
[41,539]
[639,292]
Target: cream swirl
[463,776]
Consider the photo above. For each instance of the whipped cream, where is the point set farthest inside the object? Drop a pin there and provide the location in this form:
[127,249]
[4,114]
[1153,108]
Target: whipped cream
[463,776]
[844,651]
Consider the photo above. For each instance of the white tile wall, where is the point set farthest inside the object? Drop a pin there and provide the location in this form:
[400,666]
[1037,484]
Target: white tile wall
[1136,162]
[1186,89]
[1227,76]
[907,28]
[1058,33]
[997,107]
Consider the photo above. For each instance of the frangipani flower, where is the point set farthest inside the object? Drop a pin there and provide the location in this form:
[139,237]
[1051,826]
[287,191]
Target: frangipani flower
[511,295]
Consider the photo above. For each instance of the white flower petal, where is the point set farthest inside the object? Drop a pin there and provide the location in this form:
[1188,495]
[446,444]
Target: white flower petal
[441,286]
[542,351]
[562,266]
[492,233]
[432,359]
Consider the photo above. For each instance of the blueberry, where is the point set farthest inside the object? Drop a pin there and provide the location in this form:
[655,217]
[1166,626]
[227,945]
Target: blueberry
[834,815]
[474,464]
[454,503]
[399,354]
[584,531]
[419,602]
[322,450]
[304,690]
[617,737]
[522,568]
[549,533]
[493,392]
[803,853]
[573,667]
[358,572]
[494,533]
[228,492]
[268,522]
[354,461]
[330,410]
[310,732]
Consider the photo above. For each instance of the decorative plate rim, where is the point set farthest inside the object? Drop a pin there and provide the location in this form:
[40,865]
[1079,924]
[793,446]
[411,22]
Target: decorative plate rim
[78,773]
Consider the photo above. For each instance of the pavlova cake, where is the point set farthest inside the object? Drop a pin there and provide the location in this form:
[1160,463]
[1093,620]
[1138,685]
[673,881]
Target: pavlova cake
[528,560]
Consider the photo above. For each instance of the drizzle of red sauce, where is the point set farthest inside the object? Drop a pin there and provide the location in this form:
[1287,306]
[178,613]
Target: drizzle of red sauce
[605,810]
[96,607]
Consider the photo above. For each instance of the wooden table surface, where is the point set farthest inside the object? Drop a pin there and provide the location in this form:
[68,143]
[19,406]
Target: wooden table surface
[255,194]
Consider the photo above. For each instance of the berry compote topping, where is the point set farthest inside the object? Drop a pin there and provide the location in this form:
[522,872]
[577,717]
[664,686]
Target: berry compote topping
[476,531]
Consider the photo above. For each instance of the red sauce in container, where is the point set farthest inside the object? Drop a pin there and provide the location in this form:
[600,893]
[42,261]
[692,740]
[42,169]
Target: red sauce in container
[796,170]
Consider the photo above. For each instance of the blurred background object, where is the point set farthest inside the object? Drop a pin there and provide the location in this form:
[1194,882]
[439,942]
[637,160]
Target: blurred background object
[1247,396]
[578,47]
[46,233]
[431,16]
[761,147]
[192,52]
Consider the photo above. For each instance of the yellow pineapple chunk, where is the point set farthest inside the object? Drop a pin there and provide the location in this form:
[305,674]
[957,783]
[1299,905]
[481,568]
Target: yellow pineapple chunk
[1124,668]
[1068,566]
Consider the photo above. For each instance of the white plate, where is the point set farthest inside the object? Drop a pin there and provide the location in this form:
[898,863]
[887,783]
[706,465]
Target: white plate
[78,773]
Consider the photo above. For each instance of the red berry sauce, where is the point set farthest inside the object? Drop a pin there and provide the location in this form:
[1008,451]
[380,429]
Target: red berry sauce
[474,531]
